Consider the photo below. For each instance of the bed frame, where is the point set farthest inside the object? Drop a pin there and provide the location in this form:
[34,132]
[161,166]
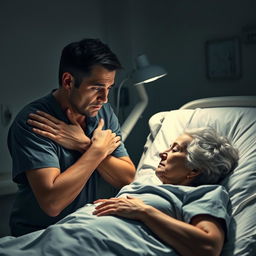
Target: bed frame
[227,101]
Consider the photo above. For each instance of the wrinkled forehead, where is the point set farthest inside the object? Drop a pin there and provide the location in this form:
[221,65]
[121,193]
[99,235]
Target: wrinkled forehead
[184,140]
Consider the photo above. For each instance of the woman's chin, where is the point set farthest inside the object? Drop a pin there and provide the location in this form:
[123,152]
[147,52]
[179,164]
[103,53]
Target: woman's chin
[160,175]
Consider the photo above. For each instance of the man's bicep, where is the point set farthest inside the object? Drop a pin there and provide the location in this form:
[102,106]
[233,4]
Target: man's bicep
[42,180]
[30,151]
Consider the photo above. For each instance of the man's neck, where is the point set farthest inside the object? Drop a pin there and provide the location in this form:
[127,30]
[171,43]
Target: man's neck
[62,98]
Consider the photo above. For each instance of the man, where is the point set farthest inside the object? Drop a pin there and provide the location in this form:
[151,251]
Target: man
[53,179]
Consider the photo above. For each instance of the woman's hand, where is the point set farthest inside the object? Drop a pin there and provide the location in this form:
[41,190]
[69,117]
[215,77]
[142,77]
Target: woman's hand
[70,136]
[105,141]
[129,207]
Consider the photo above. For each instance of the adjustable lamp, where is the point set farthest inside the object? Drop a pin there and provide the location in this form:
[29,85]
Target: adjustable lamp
[143,73]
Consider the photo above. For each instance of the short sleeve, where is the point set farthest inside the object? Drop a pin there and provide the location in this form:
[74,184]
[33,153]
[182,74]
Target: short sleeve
[208,199]
[28,150]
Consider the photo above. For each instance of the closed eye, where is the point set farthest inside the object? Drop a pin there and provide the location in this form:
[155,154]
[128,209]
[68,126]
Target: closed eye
[175,148]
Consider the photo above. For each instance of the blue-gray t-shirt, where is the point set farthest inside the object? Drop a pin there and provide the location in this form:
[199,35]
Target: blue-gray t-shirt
[30,151]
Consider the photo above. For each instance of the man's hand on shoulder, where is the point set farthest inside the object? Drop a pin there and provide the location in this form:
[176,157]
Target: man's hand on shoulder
[70,136]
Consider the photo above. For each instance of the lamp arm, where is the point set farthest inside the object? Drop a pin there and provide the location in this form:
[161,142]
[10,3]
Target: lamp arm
[133,117]
[118,95]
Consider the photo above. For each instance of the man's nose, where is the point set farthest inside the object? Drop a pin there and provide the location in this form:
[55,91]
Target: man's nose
[103,97]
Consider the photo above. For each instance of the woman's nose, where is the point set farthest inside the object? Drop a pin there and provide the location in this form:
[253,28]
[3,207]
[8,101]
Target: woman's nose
[163,155]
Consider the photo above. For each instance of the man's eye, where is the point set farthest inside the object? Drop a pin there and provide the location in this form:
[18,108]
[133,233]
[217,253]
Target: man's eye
[96,88]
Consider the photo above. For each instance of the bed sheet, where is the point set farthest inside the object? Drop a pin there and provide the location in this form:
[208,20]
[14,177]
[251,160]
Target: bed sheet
[82,233]
[239,125]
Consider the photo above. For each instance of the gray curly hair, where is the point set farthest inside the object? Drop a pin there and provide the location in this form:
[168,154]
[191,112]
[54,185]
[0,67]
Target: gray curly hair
[210,154]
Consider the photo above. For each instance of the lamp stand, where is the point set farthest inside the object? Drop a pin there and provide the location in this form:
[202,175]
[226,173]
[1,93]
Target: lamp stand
[133,117]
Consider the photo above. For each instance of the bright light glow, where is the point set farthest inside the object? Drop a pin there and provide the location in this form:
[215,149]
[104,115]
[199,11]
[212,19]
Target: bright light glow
[151,79]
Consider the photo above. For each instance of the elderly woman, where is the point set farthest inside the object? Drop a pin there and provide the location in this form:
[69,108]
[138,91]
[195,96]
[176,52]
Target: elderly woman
[197,157]
[185,214]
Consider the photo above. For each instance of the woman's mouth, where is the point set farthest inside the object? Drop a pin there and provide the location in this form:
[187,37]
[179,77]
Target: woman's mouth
[161,164]
[160,169]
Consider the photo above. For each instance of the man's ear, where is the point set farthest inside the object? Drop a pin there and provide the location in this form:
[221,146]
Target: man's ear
[67,81]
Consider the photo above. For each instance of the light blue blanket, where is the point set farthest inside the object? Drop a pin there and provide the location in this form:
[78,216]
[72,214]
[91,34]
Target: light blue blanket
[82,233]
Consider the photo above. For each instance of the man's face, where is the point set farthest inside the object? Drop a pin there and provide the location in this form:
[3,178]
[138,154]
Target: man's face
[93,91]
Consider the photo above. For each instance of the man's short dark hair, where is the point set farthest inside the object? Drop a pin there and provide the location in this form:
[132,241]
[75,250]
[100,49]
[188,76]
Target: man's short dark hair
[77,58]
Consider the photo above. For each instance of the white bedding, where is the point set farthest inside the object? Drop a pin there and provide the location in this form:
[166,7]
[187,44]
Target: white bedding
[239,125]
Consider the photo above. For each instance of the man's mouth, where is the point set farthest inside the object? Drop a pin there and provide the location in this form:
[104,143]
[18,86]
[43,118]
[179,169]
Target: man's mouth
[96,106]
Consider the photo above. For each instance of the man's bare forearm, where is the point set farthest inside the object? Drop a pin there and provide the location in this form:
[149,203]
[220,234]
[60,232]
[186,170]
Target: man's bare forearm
[55,190]
[117,171]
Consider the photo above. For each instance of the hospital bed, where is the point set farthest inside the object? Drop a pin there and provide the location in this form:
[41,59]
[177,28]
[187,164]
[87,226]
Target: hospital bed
[234,117]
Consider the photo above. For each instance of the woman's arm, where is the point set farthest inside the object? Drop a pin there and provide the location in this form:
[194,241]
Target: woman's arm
[203,236]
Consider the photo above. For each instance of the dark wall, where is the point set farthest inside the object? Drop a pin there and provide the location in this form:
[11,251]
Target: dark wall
[174,34]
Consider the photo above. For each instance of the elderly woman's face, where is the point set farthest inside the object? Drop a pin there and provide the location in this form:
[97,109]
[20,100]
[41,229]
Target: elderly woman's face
[172,168]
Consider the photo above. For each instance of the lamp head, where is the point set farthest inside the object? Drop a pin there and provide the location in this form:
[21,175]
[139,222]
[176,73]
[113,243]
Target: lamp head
[144,72]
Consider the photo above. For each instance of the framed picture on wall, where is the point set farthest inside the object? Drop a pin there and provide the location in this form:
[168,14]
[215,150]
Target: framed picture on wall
[223,58]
